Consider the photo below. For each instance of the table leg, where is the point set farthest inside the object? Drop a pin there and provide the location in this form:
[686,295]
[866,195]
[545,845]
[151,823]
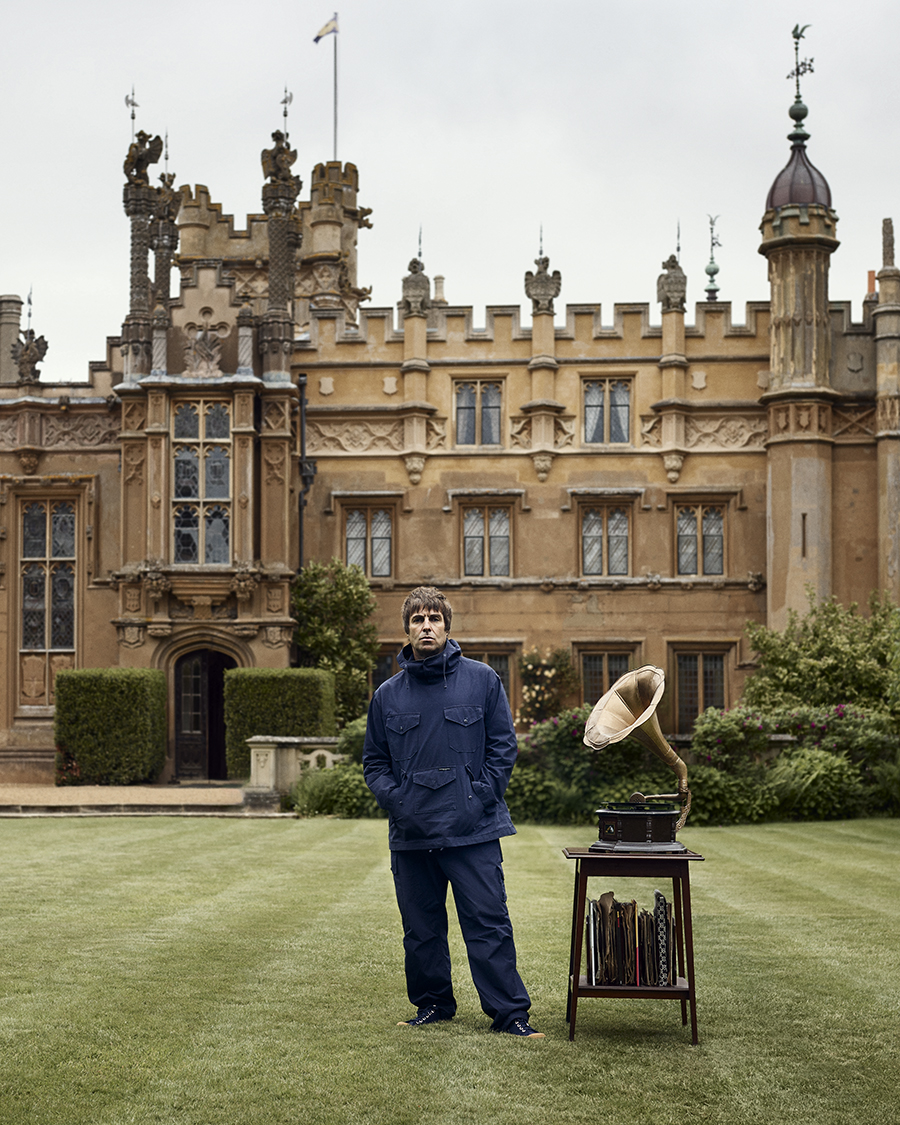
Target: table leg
[577,935]
[679,939]
[689,943]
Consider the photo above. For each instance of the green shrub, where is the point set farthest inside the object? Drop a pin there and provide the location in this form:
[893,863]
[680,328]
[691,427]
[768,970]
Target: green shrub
[546,682]
[732,740]
[110,725]
[812,784]
[339,791]
[719,797]
[883,795]
[291,702]
[333,606]
[352,739]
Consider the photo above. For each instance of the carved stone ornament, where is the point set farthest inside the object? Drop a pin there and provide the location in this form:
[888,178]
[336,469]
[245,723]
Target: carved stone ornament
[563,432]
[888,414]
[156,583]
[654,582]
[141,154]
[887,243]
[435,434]
[354,437]
[277,636]
[274,459]
[416,291]
[671,286]
[246,630]
[29,460]
[651,430]
[729,432]
[132,599]
[274,599]
[130,636]
[168,201]
[134,464]
[543,462]
[673,463]
[278,160]
[203,347]
[415,466]
[28,353]
[542,286]
[755,581]
[520,432]
[72,432]
[244,583]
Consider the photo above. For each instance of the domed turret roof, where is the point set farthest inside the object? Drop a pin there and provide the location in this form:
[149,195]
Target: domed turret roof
[799,181]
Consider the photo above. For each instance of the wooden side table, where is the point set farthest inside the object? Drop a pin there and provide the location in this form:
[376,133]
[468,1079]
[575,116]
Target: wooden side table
[660,865]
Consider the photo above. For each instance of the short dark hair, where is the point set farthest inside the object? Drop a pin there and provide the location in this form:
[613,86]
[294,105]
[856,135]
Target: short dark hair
[425,597]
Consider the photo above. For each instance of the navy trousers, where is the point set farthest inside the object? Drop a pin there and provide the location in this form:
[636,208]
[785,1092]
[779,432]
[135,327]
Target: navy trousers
[475,873]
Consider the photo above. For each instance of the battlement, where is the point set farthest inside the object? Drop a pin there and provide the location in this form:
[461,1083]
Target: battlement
[208,233]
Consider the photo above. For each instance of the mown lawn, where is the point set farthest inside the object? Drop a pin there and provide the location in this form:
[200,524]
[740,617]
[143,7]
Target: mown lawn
[204,972]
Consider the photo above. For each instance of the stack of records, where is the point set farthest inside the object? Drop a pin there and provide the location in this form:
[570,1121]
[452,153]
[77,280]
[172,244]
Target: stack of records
[629,946]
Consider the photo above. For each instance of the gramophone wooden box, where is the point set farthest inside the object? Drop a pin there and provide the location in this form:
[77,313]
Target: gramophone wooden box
[633,827]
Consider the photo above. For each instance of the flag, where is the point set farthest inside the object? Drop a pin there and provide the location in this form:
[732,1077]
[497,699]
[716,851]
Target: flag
[329,27]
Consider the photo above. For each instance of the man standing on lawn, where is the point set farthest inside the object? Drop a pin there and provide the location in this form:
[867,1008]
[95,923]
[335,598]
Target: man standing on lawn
[440,747]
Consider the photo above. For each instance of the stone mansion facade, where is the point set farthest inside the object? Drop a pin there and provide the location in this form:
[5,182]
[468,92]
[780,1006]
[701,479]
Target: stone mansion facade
[634,490]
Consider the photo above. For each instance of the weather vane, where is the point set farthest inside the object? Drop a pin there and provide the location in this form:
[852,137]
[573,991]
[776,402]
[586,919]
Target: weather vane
[286,101]
[712,289]
[541,243]
[804,67]
[420,242]
[132,104]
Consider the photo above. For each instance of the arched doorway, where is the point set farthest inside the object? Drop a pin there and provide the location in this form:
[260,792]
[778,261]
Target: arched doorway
[200,714]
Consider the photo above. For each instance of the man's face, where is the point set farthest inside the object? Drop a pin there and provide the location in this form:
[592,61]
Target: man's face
[427,632]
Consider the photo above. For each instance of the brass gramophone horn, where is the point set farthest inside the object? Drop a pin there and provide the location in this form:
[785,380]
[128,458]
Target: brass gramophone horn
[629,709]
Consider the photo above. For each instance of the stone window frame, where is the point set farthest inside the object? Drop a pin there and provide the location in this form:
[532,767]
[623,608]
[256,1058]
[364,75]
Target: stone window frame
[369,505]
[480,382]
[706,694]
[487,504]
[202,503]
[605,504]
[630,650]
[703,503]
[607,379]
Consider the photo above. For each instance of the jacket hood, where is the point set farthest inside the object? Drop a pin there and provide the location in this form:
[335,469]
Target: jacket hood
[432,668]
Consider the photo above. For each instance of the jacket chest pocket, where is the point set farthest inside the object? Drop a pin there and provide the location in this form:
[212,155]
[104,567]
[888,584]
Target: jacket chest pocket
[465,728]
[402,735]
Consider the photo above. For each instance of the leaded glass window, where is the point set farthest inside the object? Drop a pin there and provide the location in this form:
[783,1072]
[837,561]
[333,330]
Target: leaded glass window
[604,541]
[369,537]
[607,411]
[479,413]
[700,684]
[486,541]
[201,531]
[47,595]
[600,670]
[700,534]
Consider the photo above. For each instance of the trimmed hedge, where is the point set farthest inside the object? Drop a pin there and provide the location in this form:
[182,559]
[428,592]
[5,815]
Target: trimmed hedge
[110,725]
[291,702]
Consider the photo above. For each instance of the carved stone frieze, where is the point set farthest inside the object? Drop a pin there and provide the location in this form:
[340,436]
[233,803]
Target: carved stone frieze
[247,630]
[273,456]
[853,421]
[888,414]
[520,432]
[563,432]
[725,432]
[276,418]
[354,437]
[134,464]
[250,283]
[9,431]
[799,420]
[134,416]
[70,432]
[651,430]
[435,434]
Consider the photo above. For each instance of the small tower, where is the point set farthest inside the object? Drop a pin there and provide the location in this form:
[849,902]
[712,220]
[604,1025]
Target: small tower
[798,230]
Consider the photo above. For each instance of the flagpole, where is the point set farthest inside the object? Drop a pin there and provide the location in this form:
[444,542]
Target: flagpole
[335,87]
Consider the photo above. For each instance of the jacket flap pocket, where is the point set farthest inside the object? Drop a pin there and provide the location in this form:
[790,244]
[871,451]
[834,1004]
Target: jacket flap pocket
[400,724]
[434,779]
[465,714]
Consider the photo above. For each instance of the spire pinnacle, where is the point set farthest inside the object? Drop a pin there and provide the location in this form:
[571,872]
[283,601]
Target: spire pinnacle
[712,289]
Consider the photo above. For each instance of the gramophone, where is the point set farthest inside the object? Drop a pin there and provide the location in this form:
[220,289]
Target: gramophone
[645,823]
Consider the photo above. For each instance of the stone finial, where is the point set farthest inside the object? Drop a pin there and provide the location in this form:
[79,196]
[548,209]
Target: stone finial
[671,286]
[27,352]
[416,299]
[542,286]
[168,199]
[142,152]
[277,161]
[887,243]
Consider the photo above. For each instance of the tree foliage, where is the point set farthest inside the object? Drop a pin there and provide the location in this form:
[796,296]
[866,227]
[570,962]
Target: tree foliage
[546,683]
[333,605]
[833,654]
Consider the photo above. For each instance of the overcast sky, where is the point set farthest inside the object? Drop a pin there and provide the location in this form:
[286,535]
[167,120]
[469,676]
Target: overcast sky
[607,122]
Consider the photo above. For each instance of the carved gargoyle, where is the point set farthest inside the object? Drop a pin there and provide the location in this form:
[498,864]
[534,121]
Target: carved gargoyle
[141,154]
[542,286]
[416,290]
[28,353]
[277,161]
[671,286]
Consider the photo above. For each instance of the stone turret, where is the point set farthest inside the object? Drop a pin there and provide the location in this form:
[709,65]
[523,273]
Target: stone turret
[887,352]
[798,230]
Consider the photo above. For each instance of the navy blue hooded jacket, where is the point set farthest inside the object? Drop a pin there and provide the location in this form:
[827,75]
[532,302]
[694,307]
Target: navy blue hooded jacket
[440,747]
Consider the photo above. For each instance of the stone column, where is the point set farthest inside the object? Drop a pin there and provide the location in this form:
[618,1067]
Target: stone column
[887,356]
[542,287]
[10,323]
[137,330]
[414,307]
[276,334]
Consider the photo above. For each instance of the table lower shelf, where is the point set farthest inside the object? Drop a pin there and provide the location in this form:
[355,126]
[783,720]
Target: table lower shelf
[677,991]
